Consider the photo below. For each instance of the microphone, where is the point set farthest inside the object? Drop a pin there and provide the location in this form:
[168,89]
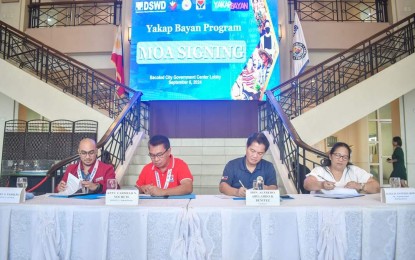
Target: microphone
[260,182]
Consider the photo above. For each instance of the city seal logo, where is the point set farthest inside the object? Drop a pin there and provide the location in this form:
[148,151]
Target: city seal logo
[299,51]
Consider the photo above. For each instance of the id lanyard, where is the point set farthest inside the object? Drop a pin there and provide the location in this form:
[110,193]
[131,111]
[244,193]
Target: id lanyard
[91,176]
[167,182]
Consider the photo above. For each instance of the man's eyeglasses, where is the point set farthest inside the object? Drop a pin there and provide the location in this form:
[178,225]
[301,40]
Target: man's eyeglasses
[158,156]
[85,153]
[343,157]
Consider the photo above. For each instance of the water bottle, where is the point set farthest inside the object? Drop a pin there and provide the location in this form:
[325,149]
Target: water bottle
[260,182]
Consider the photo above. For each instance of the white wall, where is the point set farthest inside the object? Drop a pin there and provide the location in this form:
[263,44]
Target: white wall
[46,100]
[10,13]
[357,102]
[6,113]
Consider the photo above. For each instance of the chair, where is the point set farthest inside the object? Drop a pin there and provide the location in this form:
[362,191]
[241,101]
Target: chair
[303,170]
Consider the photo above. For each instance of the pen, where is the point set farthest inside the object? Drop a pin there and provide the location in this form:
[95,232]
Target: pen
[242,184]
[323,178]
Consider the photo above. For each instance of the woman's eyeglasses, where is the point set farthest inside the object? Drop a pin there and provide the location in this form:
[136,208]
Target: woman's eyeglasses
[339,156]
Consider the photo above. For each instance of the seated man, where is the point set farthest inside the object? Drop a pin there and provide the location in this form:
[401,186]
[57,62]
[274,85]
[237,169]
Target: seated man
[165,175]
[240,173]
[92,172]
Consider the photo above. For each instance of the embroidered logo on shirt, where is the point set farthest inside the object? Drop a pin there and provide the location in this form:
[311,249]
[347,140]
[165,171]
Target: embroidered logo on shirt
[99,179]
[224,178]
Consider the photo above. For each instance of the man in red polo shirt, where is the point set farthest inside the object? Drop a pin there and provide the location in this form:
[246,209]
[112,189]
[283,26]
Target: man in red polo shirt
[165,175]
[92,172]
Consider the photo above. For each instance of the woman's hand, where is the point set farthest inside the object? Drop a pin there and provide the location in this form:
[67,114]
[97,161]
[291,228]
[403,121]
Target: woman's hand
[328,185]
[353,185]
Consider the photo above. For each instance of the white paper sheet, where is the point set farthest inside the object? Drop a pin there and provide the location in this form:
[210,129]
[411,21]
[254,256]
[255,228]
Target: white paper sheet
[73,184]
[342,191]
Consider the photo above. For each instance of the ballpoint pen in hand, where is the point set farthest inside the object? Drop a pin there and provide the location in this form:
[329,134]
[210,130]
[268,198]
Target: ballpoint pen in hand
[323,178]
[242,184]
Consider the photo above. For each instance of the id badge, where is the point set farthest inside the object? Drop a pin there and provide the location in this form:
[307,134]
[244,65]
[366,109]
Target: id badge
[171,179]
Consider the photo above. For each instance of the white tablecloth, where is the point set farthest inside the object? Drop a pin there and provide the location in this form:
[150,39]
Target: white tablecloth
[56,228]
[306,227]
[208,227]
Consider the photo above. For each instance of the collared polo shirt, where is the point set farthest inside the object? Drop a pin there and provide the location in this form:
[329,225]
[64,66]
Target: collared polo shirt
[236,171]
[179,171]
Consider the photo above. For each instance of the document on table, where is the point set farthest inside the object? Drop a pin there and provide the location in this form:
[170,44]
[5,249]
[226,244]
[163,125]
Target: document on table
[73,184]
[338,193]
[226,197]
[186,196]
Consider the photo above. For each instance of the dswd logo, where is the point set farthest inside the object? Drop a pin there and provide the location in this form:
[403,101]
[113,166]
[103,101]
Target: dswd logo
[150,6]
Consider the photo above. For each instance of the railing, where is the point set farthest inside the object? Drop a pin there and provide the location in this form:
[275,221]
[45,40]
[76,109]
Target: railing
[339,10]
[94,88]
[347,69]
[325,81]
[74,13]
[119,136]
[294,153]
[83,82]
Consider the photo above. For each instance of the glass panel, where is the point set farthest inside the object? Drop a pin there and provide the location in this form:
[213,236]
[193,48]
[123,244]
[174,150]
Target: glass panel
[373,153]
[372,116]
[386,138]
[374,169]
[387,170]
[373,132]
[385,112]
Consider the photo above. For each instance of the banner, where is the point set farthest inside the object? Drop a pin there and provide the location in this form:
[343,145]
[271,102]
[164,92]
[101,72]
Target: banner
[300,51]
[204,49]
[117,59]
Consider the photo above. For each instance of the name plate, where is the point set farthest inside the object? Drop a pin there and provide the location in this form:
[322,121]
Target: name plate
[398,195]
[121,197]
[262,197]
[12,195]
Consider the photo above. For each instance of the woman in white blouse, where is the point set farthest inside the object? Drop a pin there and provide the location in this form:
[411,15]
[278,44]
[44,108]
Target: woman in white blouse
[339,172]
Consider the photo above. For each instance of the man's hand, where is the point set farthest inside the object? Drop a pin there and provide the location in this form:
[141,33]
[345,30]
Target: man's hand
[145,188]
[62,186]
[90,185]
[241,192]
[155,191]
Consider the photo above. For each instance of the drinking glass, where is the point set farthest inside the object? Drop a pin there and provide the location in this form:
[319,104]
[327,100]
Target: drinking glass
[21,182]
[112,184]
[395,182]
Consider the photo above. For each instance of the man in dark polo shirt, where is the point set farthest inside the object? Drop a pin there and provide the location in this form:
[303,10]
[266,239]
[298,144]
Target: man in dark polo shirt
[240,173]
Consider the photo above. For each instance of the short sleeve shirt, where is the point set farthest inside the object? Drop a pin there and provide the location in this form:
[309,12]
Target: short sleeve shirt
[179,171]
[350,173]
[236,171]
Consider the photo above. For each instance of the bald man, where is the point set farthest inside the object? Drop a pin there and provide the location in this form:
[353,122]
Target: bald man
[92,173]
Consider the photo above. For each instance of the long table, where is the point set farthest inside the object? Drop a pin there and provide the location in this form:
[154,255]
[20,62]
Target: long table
[305,227]
[208,227]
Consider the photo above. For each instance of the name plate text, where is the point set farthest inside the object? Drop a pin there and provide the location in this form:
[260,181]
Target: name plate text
[12,195]
[398,195]
[121,197]
[262,197]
